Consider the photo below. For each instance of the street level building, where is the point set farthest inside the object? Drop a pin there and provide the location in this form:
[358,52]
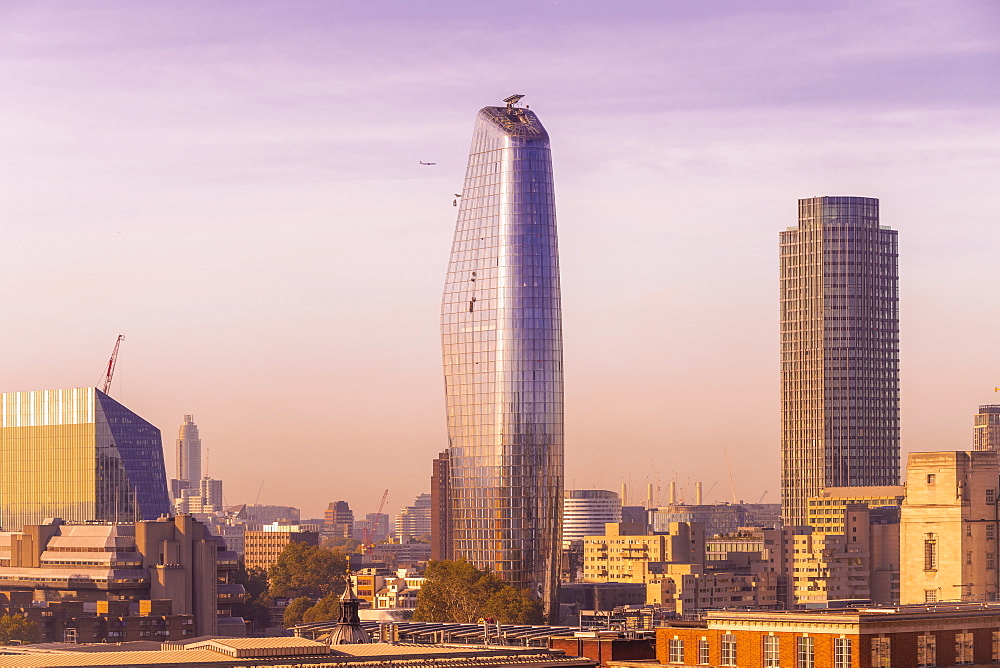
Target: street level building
[839,352]
[873,637]
[949,527]
[986,432]
[502,351]
[80,455]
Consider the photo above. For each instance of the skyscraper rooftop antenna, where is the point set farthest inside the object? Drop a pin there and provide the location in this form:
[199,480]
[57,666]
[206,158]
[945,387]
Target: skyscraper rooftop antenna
[512,100]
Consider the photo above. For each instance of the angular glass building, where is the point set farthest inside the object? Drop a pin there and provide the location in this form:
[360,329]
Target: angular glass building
[502,344]
[839,352]
[80,455]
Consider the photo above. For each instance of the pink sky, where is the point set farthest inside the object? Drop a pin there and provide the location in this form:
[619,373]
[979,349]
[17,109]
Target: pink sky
[234,186]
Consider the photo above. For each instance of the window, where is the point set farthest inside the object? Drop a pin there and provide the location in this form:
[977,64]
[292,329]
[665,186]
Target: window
[991,532]
[991,496]
[926,651]
[805,653]
[704,653]
[931,478]
[963,648]
[991,561]
[728,649]
[675,650]
[968,557]
[930,552]
[930,595]
[881,653]
[841,653]
[772,653]
[996,645]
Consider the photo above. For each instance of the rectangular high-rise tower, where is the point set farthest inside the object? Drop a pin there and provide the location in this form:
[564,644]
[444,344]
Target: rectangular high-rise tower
[839,352]
[502,345]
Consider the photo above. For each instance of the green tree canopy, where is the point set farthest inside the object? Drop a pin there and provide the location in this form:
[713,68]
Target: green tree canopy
[295,610]
[457,591]
[308,570]
[16,627]
[256,604]
[326,609]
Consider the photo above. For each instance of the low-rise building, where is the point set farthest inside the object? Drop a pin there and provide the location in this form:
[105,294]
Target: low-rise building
[827,512]
[891,637]
[173,559]
[626,551]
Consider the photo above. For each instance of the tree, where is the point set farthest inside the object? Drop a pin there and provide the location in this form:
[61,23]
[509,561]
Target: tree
[308,570]
[256,604]
[457,591]
[295,610]
[16,627]
[328,608]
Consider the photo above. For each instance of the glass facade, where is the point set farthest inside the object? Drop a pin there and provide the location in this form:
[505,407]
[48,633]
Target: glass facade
[80,455]
[502,349]
[839,352]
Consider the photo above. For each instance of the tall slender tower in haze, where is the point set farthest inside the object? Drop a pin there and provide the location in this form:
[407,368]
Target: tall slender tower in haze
[502,343]
[189,453]
[839,351]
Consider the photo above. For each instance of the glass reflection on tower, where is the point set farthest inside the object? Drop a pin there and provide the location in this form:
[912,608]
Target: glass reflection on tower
[502,345]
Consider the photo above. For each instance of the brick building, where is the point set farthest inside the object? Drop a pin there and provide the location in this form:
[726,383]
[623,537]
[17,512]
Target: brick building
[848,638]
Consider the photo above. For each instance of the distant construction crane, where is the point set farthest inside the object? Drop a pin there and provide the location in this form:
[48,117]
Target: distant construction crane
[111,364]
[369,541]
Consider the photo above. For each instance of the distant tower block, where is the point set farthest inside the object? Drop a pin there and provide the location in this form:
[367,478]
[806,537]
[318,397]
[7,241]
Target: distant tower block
[189,453]
[586,511]
[986,432]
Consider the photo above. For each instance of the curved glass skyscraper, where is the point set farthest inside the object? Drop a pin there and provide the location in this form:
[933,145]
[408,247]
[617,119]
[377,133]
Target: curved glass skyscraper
[502,340]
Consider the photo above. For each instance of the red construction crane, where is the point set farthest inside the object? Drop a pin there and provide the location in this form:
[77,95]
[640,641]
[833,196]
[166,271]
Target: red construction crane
[111,364]
[369,541]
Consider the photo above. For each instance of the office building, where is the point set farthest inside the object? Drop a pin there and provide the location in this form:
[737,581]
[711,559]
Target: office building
[502,352]
[949,526]
[827,511]
[894,637]
[716,518]
[261,549]
[338,521]
[80,455]
[627,553]
[839,352]
[256,516]
[414,521]
[440,508]
[189,452]
[586,511]
[986,432]
[202,499]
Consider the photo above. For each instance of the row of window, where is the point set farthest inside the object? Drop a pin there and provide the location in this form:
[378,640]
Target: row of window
[805,652]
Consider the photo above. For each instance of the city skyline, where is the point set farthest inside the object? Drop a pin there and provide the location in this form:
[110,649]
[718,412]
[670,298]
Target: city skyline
[240,193]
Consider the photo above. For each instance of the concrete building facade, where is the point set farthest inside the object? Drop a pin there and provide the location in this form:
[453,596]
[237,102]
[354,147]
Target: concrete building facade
[949,527]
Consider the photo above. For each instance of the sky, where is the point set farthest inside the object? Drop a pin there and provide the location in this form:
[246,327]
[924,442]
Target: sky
[235,187]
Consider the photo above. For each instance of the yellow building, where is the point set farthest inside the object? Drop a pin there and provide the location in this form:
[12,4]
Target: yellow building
[625,551]
[826,512]
[949,527]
